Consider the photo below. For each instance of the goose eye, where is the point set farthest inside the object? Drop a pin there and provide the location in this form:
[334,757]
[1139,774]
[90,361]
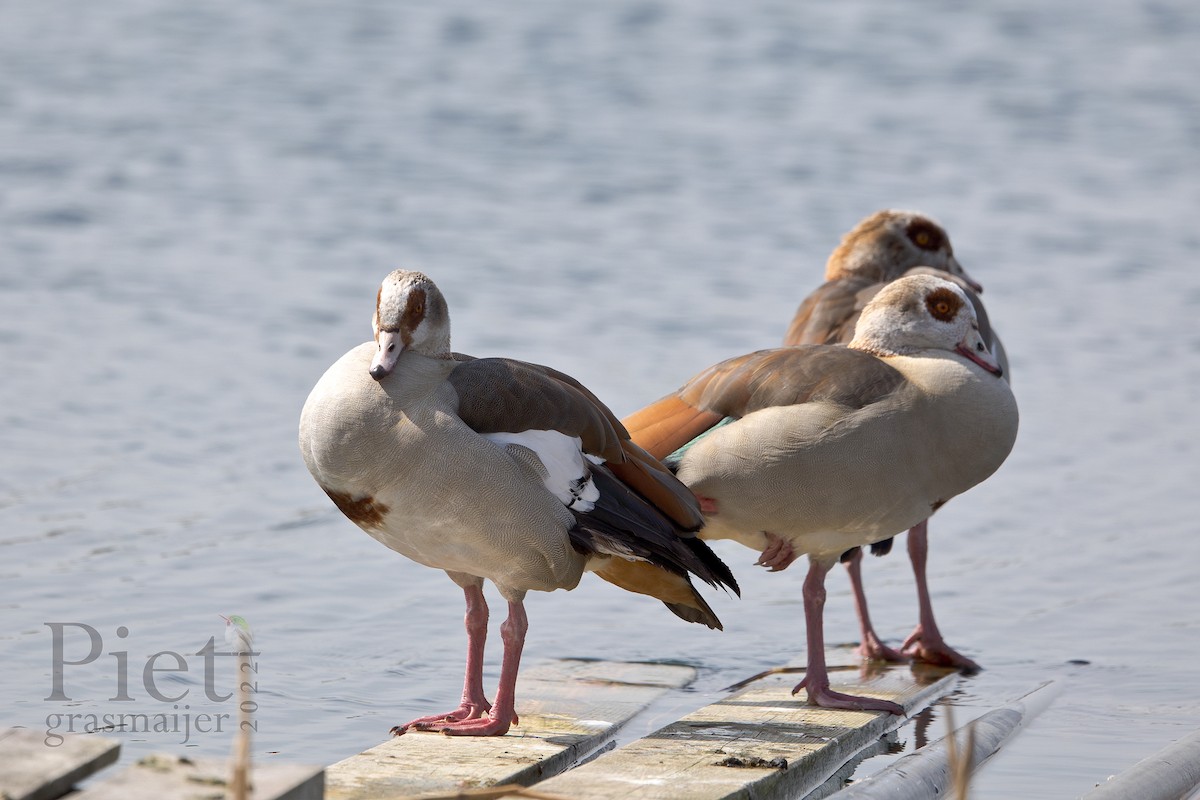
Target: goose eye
[925,235]
[943,304]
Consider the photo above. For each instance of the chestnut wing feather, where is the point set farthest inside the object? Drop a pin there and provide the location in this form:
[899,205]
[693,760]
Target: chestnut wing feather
[828,315]
[789,376]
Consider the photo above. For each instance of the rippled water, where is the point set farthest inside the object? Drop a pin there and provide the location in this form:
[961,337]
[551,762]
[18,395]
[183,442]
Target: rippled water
[197,203]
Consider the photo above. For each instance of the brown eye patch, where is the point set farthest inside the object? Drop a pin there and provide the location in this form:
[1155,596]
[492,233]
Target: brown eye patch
[925,235]
[414,312]
[943,304]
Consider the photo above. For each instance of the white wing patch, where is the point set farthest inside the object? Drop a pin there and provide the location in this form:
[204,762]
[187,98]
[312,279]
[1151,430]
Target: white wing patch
[562,464]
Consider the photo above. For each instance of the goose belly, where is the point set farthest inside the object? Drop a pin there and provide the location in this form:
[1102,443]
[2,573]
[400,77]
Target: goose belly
[520,544]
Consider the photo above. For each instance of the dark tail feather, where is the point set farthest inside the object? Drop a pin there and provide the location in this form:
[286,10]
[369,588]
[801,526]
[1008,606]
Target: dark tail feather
[718,567]
[649,553]
[703,615]
[623,523]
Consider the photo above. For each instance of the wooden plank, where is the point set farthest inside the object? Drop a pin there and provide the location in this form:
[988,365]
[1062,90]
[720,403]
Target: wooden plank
[32,770]
[760,742]
[1172,772]
[567,710]
[930,771]
[161,776]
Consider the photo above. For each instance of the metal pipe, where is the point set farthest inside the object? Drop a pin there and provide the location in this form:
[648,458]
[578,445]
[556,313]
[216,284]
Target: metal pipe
[1170,774]
[927,772]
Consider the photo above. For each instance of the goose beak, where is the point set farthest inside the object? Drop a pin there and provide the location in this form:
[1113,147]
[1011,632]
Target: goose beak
[390,348]
[972,347]
[957,269]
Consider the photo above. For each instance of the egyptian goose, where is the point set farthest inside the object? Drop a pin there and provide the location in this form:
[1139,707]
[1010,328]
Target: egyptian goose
[881,248]
[817,449]
[495,469]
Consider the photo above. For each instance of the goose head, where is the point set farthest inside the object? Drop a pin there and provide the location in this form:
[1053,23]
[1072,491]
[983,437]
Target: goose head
[888,243]
[922,312]
[410,315]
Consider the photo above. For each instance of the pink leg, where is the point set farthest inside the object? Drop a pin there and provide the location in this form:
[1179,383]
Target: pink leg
[503,714]
[925,643]
[816,678]
[872,646]
[474,703]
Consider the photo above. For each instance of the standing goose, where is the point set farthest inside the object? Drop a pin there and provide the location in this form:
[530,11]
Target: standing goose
[495,469]
[881,248]
[817,449]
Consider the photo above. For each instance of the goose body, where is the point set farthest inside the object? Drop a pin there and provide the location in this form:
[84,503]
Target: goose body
[499,470]
[818,449]
[416,500]
[904,453]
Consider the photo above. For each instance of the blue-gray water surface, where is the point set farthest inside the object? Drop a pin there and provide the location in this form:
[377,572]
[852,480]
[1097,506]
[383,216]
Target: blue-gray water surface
[197,202]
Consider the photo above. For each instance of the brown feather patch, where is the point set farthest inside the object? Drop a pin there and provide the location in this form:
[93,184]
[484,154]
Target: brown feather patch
[646,476]
[363,511]
[663,427]
[414,312]
[642,577]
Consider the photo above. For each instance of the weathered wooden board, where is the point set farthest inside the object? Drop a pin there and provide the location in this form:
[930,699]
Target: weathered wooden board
[760,742]
[32,770]
[165,776]
[567,709]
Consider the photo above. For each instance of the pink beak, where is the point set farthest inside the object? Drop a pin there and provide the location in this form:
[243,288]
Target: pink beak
[391,345]
[979,355]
